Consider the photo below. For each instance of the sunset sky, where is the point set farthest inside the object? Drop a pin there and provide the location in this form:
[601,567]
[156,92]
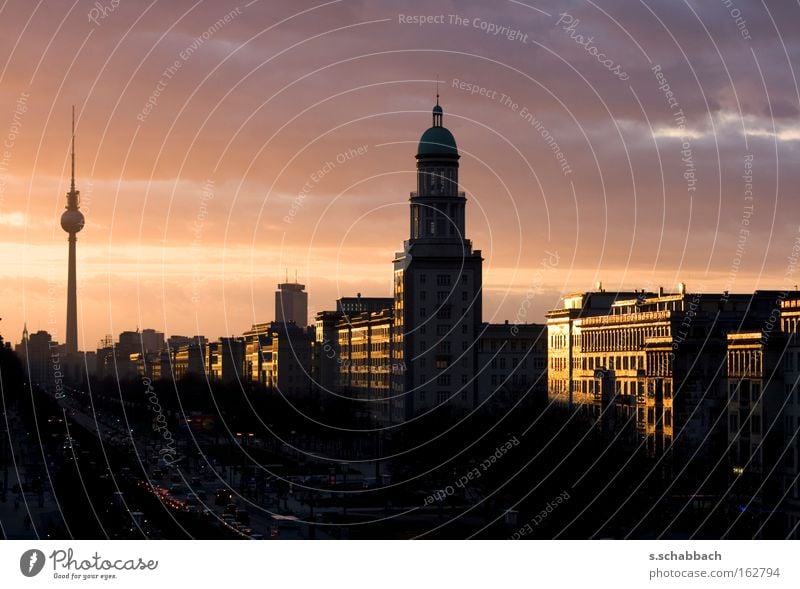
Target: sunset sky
[222,144]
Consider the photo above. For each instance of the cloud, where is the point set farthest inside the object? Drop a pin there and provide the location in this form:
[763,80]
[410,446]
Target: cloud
[269,98]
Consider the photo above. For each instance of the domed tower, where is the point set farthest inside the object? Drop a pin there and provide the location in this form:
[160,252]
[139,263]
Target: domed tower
[437,207]
[72,222]
[437,287]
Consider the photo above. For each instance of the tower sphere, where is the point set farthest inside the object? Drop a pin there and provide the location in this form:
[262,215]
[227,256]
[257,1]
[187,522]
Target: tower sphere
[72,221]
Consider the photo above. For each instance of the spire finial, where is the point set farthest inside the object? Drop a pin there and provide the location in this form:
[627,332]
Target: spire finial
[72,184]
[437,110]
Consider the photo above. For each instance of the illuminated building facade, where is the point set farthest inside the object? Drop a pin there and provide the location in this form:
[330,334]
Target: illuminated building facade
[437,287]
[652,365]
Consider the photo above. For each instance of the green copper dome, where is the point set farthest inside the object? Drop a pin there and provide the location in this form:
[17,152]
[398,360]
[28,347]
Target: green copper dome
[437,140]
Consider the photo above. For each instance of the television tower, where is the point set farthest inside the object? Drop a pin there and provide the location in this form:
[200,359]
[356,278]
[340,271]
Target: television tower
[72,221]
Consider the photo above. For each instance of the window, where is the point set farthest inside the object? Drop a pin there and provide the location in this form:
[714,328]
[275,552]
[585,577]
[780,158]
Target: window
[441,296]
[422,312]
[422,395]
[463,379]
[464,279]
[423,295]
[463,395]
[464,330]
[463,295]
[443,379]
[441,397]
[423,278]
[442,280]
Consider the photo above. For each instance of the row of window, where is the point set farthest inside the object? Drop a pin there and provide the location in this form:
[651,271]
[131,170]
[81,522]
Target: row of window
[444,329]
[516,379]
[630,338]
[623,387]
[360,348]
[441,396]
[443,312]
[441,346]
[442,296]
[609,362]
[442,379]
[743,417]
[509,344]
[744,392]
[745,362]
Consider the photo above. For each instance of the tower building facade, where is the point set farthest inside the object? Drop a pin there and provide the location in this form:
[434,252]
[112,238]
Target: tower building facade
[437,287]
[291,304]
[72,222]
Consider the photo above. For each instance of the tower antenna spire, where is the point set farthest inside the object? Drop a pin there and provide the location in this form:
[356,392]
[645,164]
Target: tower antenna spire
[72,183]
[437,89]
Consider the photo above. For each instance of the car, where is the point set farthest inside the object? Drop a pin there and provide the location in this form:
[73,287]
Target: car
[230,508]
[222,497]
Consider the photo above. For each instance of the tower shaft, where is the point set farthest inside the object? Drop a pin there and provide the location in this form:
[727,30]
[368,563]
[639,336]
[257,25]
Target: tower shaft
[72,299]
